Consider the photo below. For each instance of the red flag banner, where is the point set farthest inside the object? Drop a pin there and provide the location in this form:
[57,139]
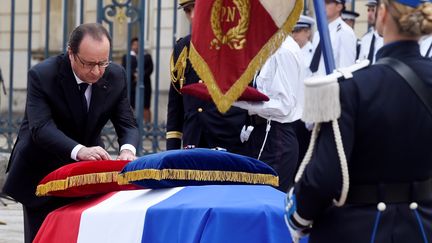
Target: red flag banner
[231,40]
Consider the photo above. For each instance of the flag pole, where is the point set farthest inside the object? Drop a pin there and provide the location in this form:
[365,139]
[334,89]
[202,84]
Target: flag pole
[323,31]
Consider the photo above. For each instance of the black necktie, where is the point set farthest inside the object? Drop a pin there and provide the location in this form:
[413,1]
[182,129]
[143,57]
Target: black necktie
[83,88]
[371,49]
[316,58]
[428,51]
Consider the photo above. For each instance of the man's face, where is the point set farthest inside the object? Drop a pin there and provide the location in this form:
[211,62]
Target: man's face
[189,11]
[371,15]
[333,9]
[301,36]
[134,46]
[90,62]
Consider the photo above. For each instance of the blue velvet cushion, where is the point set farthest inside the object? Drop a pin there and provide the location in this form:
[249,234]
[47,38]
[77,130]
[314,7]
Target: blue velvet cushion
[197,166]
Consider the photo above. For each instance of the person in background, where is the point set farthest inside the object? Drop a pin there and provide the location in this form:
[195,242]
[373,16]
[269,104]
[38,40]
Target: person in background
[302,34]
[273,138]
[371,42]
[192,122]
[148,70]
[386,134]
[343,40]
[70,98]
[133,68]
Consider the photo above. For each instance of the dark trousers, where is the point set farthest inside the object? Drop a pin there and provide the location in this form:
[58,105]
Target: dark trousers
[34,216]
[280,150]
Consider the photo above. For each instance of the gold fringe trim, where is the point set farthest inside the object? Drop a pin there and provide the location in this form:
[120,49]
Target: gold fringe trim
[79,180]
[224,101]
[198,175]
[174,134]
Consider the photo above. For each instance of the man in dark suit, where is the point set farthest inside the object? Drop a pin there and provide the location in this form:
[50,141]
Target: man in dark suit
[70,98]
[195,122]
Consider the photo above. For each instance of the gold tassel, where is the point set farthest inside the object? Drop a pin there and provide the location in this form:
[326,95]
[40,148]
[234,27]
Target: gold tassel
[198,175]
[78,180]
[224,101]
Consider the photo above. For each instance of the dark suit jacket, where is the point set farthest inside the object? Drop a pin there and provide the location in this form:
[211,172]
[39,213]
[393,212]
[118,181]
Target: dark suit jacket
[54,123]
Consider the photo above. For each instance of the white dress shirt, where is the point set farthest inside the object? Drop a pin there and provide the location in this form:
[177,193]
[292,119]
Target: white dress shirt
[307,52]
[425,43]
[365,45]
[344,45]
[281,79]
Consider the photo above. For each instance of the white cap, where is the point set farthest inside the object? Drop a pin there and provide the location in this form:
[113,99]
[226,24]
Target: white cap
[346,14]
[304,22]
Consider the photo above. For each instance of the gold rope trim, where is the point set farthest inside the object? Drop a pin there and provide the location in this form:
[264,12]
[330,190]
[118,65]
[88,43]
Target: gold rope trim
[198,175]
[224,101]
[174,134]
[177,70]
[79,180]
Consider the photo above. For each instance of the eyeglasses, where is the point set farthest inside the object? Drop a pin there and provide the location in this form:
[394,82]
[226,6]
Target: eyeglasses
[91,65]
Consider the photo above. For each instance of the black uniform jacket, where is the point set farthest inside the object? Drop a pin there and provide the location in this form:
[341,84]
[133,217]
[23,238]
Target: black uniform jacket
[387,137]
[54,123]
[197,119]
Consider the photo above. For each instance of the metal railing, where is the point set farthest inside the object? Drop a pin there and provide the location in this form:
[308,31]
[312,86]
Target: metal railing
[134,11]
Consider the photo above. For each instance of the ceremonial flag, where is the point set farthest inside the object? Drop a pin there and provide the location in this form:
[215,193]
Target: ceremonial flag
[234,213]
[231,40]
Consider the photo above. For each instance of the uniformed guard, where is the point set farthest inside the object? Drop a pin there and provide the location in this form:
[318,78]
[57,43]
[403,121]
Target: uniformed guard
[342,38]
[192,122]
[302,34]
[273,138]
[368,178]
[371,42]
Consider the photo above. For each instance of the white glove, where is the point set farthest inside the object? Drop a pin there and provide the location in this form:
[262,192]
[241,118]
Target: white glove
[245,133]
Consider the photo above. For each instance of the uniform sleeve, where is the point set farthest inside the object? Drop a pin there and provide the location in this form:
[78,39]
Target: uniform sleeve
[322,179]
[280,88]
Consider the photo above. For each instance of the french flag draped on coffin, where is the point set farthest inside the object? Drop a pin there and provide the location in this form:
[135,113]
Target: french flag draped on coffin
[215,213]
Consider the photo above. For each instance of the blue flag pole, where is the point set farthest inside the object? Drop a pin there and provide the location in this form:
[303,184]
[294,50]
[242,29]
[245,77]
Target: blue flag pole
[324,36]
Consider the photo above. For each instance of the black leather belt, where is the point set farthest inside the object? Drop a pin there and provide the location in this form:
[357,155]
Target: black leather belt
[257,120]
[418,191]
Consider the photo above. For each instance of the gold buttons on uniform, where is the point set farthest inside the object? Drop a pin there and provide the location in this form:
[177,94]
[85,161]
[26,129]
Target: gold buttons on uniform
[200,110]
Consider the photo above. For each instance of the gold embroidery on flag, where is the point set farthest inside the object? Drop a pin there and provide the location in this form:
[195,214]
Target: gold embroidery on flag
[235,37]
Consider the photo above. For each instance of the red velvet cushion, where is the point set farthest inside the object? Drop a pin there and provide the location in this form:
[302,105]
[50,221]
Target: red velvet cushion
[200,91]
[83,178]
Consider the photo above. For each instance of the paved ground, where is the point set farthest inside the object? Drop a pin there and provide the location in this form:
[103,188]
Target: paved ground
[12,231]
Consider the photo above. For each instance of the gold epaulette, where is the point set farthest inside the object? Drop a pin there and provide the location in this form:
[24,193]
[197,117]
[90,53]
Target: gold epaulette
[178,69]
[174,134]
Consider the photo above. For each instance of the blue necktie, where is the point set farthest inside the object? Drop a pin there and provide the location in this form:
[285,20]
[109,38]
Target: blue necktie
[316,58]
[83,88]
[371,50]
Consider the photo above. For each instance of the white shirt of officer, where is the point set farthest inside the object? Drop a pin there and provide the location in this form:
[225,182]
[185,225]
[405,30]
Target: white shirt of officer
[307,52]
[344,43]
[281,79]
[365,45]
[425,44]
